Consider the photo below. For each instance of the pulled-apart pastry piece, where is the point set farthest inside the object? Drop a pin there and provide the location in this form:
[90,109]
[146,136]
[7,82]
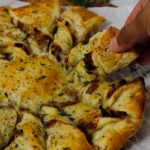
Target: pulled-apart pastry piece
[97,53]
[8,119]
[107,61]
[81,22]
[29,134]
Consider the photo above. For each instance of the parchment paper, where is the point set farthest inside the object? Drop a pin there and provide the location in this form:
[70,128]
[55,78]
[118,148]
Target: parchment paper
[116,17]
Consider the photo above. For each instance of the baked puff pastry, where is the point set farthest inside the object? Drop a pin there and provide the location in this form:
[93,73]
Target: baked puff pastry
[34,81]
[29,134]
[107,61]
[8,120]
[38,20]
[53,94]
[9,34]
[81,22]
[121,115]
[41,15]
[62,134]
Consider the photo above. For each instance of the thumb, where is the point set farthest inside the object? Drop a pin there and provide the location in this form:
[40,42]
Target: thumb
[135,32]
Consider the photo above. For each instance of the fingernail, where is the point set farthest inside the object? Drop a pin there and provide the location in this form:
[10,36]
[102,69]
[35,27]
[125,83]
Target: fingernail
[114,45]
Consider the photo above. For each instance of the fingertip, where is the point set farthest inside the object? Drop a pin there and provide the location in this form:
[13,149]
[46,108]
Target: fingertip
[144,58]
[143,62]
[114,46]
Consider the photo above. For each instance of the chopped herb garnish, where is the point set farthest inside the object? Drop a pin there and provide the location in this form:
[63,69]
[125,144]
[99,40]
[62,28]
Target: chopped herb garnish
[66,148]
[6,94]
[71,81]
[6,10]
[98,94]
[41,77]
[132,96]
[42,64]
[86,110]
[86,83]
[21,69]
[63,113]
[61,94]
[34,11]
[79,77]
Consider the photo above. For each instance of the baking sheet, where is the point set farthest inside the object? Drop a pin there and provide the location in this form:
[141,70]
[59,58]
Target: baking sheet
[116,17]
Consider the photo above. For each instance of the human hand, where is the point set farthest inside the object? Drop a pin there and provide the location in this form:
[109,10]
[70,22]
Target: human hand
[135,33]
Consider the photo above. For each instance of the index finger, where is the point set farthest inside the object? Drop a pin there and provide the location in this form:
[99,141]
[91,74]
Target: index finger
[136,10]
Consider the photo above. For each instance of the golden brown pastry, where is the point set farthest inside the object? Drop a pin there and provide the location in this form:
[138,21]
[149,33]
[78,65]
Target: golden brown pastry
[129,98]
[61,134]
[41,15]
[114,135]
[62,39]
[38,20]
[13,53]
[79,76]
[9,34]
[30,82]
[8,119]
[81,112]
[107,61]
[81,22]
[29,134]
[5,19]
[53,94]
[121,115]
[64,136]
